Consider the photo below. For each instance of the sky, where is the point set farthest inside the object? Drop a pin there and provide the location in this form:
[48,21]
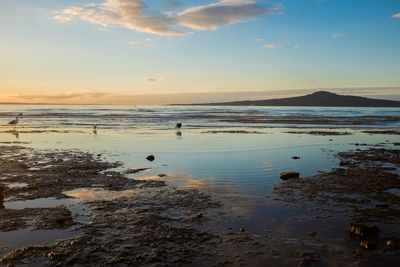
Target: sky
[169,51]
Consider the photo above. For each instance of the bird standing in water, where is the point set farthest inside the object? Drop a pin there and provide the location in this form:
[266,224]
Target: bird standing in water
[13,122]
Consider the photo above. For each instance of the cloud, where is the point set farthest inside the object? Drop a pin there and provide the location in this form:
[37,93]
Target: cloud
[270,46]
[156,79]
[396,16]
[135,15]
[338,35]
[131,14]
[148,42]
[62,96]
[224,12]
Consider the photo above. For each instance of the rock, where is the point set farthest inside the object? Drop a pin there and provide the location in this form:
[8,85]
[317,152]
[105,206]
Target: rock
[331,140]
[132,171]
[289,175]
[368,245]
[390,243]
[363,230]
[312,234]
[179,125]
[150,158]
[162,175]
[344,162]
[307,257]
[295,157]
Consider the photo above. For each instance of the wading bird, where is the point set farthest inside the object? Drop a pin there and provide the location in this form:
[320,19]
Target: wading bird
[14,122]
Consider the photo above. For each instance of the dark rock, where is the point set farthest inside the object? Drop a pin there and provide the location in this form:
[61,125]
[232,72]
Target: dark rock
[344,162]
[295,157]
[241,230]
[289,175]
[150,158]
[162,175]
[132,171]
[179,125]
[363,230]
[312,233]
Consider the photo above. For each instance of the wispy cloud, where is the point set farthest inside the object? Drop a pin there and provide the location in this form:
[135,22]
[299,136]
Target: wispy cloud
[135,15]
[156,79]
[224,12]
[338,35]
[270,46]
[62,96]
[396,16]
[148,42]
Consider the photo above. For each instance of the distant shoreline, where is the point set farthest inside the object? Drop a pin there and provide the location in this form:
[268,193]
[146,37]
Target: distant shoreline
[316,99]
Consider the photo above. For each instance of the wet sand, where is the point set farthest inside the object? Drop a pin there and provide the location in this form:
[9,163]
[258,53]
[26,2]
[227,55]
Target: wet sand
[105,217]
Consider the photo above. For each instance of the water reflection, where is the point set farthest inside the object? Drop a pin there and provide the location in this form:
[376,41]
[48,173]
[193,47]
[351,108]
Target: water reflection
[92,194]
[15,133]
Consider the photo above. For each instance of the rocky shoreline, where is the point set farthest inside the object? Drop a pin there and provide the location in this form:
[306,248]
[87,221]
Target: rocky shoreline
[153,224]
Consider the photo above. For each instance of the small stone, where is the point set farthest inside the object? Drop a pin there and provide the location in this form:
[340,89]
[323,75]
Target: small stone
[51,255]
[363,230]
[367,245]
[390,243]
[150,158]
[295,157]
[344,162]
[162,175]
[312,233]
[289,175]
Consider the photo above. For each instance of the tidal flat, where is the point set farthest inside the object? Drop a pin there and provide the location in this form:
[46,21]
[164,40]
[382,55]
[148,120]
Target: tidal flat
[110,219]
[210,195]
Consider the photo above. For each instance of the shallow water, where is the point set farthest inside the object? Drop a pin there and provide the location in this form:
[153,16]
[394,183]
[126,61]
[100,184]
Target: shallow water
[245,164]
[241,168]
[162,117]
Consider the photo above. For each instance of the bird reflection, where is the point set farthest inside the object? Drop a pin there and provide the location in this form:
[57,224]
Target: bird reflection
[15,133]
[179,134]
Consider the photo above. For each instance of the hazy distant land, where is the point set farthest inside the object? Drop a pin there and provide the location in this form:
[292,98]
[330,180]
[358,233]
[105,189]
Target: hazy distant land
[317,99]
